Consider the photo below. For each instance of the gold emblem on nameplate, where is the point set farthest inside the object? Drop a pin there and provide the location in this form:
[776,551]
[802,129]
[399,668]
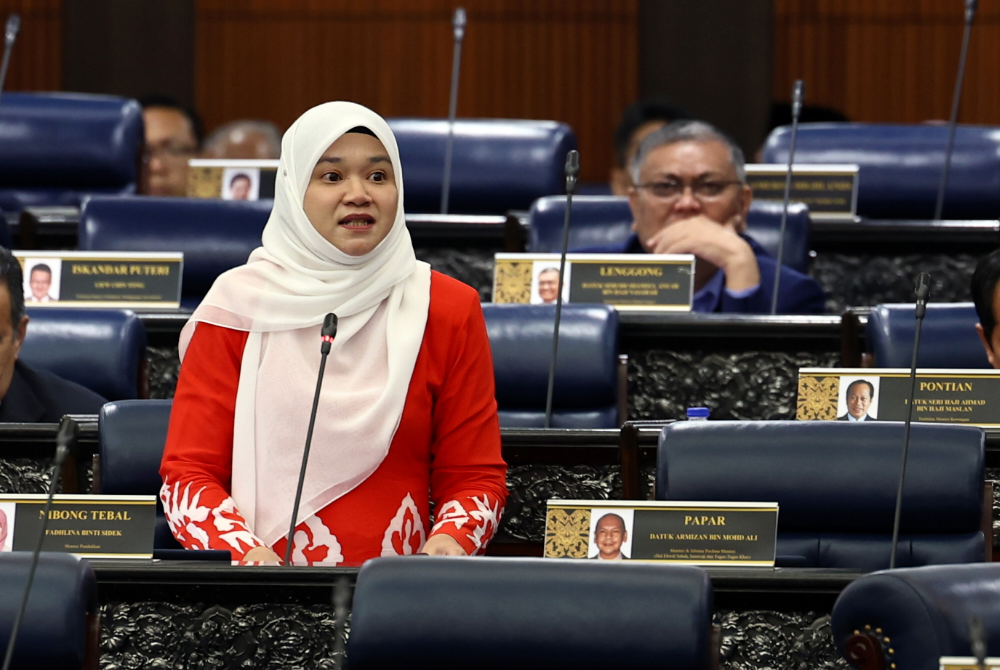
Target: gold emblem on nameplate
[513,282]
[817,398]
[204,182]
[567,533]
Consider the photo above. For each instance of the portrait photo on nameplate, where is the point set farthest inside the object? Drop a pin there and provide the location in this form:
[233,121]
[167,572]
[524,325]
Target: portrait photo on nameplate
[970,397]
[627,281]
[231,178]
[102,278]
[720,534]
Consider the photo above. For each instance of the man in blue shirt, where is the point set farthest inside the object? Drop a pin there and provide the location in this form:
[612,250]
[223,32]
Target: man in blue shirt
[691,197]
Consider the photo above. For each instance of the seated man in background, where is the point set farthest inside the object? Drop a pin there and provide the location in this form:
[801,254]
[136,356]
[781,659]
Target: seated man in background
[246,139]
[691,197]
[638,121]
[984,295]
[26,395]
[173,136]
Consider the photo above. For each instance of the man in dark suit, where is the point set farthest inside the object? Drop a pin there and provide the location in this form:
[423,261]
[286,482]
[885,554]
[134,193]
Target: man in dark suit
[26,395]
[609,536]
[859,399]
[987,300]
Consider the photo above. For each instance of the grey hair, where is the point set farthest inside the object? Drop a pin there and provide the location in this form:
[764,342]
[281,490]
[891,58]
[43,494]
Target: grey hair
[689,131]
[270,132]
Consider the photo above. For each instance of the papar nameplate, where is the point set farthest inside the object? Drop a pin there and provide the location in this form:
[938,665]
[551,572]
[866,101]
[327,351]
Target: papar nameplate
[627,281]
[231,179]
[830,191]
[967,663]
[970,397]
[720,534]
[93,526]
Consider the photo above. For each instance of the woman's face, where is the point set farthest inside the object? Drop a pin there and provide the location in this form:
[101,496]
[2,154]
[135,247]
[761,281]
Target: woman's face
[352,198]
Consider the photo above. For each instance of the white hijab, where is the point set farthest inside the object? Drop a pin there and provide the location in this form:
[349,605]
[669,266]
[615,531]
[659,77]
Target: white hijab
[280,297]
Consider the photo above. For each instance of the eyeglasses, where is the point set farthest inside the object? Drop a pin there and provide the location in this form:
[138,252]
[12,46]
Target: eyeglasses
[671,189]
[170,151]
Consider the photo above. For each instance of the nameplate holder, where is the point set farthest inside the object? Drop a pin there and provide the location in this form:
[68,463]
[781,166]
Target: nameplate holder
[150,280]
[970,397]
[626,281]
[711,534]
[830,191]
[967,663]
[231,179]
[91,526]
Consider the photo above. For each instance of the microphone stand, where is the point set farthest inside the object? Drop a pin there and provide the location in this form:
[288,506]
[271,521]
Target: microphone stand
[10,36]
[923,290]
[67,432]
[328,333]
[458,26]
[797,94]
[970,15]
[572,171]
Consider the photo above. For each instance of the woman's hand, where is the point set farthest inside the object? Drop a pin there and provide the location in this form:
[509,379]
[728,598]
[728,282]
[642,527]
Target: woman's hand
[260,555]
[443,544]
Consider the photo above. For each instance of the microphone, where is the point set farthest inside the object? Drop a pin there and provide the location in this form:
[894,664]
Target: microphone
[977,639]
[923,290]
[797,94]
[10,36]
[572,172]
[458,27]
[970,15]
[67,433]
[327,334]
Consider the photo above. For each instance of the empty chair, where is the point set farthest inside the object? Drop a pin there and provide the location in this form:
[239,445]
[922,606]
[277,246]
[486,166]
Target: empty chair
[589,390]
[901,166]
[948,336]
[910,618]
[835,484]
[600,221]
[55,148]
[529,613]
[214,235]
[61,625]
[103,350]
[497,165]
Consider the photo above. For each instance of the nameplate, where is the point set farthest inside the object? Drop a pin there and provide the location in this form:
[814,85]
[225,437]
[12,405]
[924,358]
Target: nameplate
[721,534]
[92,526]
[967,663]
[627,281]
[101,278]
[969,397]
[231,179]
[830,191]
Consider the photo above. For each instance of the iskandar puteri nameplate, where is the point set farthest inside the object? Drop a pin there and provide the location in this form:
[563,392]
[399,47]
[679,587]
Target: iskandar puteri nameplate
[830,191]
[720,534]
[969,397]
[627,281]
[92,526]
[102,279]
[231,179]
[967,663]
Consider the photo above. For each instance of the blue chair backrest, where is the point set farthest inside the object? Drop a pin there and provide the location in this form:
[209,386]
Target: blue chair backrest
[54,631]
[586,388]
[214,235]
[497,164]
[598,221]
[835,483]
[529,614]
[103,350]
[921,613]
[948,336]
[901,166]
[57,147]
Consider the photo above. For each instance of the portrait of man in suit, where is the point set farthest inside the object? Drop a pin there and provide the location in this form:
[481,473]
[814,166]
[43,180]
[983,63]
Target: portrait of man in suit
[858,398]
[610,538]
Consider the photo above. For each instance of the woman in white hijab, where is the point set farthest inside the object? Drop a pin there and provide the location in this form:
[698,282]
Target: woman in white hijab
[407,404]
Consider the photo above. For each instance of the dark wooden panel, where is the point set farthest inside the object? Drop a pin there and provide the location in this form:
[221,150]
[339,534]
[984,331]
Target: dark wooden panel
[36,62]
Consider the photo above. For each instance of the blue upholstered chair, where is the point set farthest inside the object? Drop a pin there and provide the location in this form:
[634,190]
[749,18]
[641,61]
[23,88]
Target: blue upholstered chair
[61,625]
[911,617]
[214,235]
[56,148]
[948,336]
[529,614]
[835,484]
[901,166]
[598,221]
[103,350]
[497,164]
[588,391]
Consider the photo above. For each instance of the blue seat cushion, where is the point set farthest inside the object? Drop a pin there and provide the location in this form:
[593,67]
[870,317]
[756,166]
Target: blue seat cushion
[948,336]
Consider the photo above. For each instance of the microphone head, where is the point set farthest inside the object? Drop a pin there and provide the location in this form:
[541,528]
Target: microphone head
[970,10]
[572,169]
[458,23]
[330,325]
[798,93]
[13,26]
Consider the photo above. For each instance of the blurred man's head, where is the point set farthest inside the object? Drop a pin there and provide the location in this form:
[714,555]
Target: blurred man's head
[239,187]
[40,281]
[249,139]
[173,136]
[609,535]
[13,319]
[548,285]
[987,300]
[859,398]
[638,121]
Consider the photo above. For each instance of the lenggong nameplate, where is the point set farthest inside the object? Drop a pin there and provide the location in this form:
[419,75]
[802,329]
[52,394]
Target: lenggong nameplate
[101,278]
[967,663]
[93,526]
[830,191]
[730,534]
[627,281]
[969,397]
[231,179]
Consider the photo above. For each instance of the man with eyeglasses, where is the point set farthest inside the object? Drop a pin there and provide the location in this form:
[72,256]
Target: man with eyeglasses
[173,136]
[691,197]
